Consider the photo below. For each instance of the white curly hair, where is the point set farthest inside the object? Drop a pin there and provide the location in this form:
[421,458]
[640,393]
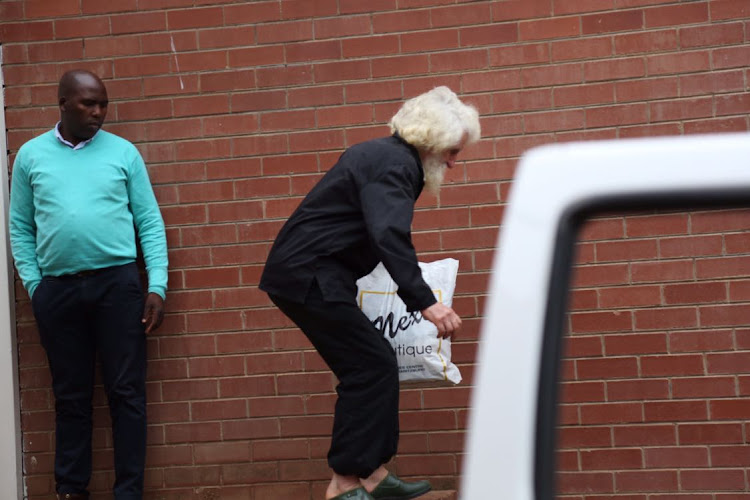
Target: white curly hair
[436,121]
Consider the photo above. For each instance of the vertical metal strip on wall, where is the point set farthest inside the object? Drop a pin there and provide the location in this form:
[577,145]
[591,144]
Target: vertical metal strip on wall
[10,421]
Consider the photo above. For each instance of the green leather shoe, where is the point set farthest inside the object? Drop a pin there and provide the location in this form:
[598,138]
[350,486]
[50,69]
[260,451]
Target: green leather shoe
[393,488]
[355,494]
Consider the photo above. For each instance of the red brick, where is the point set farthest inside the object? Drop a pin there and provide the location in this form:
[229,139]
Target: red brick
[732,104]
[711,83]
[637,390]
[677,317]
[704,387]
[611,413]
[474,36]
[14,11]
[291,9]
[612,459]
[731,57]
[634,344]
[456,61]
[616,115]
[614,69]
[230,125]
[628,20]
[340,71]
[286,449]
[704,36]
[524,54]
[713,480]
[701,340]
[226,37]
[590,48]
[682,109]
[94,7]
[290,31]
[620,367]
[711,433]
[344,115]
[254,56]
[575,437]
[676,457]
[690,293]
[729,9]
[217,453]
[195,18]
[159,43]
[163,85]
[677,14]
[55,51]
[248,473]
[563,7]
[645,435]
[579,482]
[404,21]
[581,392]
[729,456]
[116,46]
[286,76]
[26,31]
[685,62]
[588,346]
[355,6]
[520,9]
[669,411]
[253,12]
[138,22]
[552,75]
[549,28]
[461,15]
[312,51]
[601,274]
[651,41]
[341,26]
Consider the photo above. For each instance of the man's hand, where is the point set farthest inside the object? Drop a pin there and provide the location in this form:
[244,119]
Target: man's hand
[153,312]
[444,318]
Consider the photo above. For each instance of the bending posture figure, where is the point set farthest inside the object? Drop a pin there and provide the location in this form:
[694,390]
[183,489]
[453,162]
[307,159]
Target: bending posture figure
[360,213]
[78,196]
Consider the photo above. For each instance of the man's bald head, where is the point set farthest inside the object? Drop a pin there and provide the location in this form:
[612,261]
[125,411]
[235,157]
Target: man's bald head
[75,78]
[82,99]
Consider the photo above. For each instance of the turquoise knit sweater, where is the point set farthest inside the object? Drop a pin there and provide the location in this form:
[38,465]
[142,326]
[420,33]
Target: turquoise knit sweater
[75,210]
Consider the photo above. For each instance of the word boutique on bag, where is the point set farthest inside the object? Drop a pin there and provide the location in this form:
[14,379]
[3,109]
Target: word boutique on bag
[421,355]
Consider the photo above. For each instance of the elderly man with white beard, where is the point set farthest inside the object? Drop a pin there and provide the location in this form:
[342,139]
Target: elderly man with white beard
[359,214]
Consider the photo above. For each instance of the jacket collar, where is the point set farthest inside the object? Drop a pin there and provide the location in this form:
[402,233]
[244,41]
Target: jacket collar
[415,153]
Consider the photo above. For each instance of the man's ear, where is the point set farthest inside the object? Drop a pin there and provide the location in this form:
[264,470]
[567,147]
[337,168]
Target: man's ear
[61,103]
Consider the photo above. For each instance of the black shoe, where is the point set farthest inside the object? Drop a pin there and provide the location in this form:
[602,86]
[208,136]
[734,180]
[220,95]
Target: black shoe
[355,494]
[393,488]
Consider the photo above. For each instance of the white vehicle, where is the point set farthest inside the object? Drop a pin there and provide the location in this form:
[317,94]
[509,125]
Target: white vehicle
[511,430]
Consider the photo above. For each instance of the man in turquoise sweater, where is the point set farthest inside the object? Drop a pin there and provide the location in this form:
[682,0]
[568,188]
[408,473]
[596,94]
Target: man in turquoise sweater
[79,196]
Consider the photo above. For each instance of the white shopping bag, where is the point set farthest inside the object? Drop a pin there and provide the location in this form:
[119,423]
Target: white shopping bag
[422,356]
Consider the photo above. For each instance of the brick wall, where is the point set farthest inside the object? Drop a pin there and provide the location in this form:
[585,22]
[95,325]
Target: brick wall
[238,107]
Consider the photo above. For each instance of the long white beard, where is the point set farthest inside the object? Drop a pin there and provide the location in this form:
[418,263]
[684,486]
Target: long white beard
[434,173]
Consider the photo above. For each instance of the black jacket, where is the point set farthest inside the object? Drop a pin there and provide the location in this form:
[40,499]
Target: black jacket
[359,214]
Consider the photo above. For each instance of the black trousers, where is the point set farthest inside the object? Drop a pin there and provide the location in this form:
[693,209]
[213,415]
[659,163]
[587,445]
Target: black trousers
[80,316]
[365,425]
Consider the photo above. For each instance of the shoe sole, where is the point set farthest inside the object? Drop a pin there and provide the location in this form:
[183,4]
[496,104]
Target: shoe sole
[415,495]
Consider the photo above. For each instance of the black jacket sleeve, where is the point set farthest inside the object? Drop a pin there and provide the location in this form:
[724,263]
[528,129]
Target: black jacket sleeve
[388,208]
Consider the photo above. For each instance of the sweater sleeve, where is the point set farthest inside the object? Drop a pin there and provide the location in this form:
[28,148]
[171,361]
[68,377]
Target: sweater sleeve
[22,226]
[149,224]
[388,208]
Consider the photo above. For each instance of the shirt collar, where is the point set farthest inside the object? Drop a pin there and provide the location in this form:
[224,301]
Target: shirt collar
[70,144]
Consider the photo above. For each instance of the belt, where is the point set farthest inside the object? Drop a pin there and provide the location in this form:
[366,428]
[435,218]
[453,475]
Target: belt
[83,274]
